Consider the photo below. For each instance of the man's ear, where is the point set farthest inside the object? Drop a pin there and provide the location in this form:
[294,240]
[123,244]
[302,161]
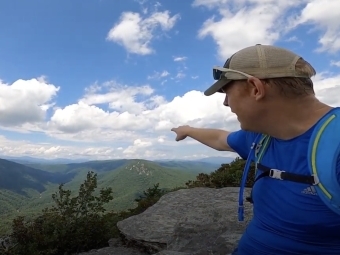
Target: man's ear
[257,88]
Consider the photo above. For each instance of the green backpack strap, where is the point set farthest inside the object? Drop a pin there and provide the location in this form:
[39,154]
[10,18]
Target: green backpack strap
[256,152]
[323,156]
[261,149]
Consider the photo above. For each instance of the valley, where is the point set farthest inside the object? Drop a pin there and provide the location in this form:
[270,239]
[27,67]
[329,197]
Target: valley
[26,189]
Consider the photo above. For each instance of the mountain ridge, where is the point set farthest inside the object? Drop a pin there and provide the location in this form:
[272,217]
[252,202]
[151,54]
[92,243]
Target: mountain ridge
[35,160]
[127,177]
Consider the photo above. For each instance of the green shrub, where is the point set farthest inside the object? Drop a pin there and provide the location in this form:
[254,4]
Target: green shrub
[228,175]
[73,224]
[149,198]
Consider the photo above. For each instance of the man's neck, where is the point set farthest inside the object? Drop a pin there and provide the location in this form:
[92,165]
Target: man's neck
[295,118]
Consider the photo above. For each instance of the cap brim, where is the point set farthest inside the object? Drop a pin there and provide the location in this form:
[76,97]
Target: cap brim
[216,87]
[229,75]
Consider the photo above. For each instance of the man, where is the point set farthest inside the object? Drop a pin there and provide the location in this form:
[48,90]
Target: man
[271,92]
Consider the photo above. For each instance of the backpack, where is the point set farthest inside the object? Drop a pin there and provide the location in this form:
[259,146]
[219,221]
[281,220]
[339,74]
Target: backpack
[323,153]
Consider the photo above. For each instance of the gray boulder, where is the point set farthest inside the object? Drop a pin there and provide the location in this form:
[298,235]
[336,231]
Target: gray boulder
[197,221]
[189,221]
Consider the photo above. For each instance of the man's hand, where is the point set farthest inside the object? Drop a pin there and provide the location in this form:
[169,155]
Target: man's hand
[181,132]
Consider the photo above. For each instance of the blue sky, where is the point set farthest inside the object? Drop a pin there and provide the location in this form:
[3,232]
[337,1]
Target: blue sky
[108,79]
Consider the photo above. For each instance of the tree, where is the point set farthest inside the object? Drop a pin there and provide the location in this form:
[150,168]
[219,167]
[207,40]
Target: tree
[228,175]
[73,224]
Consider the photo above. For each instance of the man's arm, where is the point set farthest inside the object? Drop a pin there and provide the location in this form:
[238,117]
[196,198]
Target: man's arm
[239,141]
[214,138]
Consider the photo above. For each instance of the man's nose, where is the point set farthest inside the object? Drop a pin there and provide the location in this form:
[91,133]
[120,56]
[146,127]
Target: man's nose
[225,103]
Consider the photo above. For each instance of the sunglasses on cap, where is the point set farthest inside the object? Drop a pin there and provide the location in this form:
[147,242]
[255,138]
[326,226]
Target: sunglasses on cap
[229,74]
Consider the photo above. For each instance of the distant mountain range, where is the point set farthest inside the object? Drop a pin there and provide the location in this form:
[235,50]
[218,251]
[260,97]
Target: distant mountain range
[30,160]
[27,187]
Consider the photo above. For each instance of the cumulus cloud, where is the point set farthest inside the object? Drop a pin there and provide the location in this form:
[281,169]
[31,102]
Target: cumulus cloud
[324,16]
[144,133]
[80,117]
[135,33]
[247,22]
[119,97]
[327,88]
[138,145]
[243,23]
[149,112]
[50,151]
[25,101]
[147,127]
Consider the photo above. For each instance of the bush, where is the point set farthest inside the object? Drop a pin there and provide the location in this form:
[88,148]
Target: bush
[228,175]
[149,198]
[73,224]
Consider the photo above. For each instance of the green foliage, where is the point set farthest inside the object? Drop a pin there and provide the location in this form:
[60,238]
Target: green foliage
[149,198]
[228,175]
[73,224]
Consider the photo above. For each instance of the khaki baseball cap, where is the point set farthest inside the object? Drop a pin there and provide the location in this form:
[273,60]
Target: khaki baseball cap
[261,61]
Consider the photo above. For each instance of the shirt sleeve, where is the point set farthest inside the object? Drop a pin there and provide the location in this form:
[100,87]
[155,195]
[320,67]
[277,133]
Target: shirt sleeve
[241,141]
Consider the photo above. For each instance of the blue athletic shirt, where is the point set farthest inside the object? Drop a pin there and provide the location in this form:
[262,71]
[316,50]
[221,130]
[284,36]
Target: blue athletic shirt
[288,217]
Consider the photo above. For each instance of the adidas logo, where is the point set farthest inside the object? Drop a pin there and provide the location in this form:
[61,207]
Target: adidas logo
[309,191]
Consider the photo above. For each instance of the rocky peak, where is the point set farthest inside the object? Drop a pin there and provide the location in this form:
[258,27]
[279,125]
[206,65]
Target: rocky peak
[140,167]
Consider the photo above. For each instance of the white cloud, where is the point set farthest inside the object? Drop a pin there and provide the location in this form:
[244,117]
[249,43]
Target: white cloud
[119,97]
[178,59]
[335,63]
[143,132]
[327,88]
[136,33]
[209,3]
[80,117]
[180,75]
[25,101]
[324,15]
[294,39]
[238,20]
[86,121]
[158,75]
[51,151]
[234,28]
[137,146]
[149,116]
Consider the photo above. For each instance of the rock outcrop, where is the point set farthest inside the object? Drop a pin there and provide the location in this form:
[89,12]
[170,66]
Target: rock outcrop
[193,221]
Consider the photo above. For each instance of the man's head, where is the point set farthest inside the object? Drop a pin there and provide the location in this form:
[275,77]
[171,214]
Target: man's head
[259,80]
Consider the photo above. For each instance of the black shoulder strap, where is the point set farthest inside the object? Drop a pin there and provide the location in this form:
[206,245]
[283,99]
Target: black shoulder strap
[283,175]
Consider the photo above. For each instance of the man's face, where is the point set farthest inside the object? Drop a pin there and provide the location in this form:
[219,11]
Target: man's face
[238,98]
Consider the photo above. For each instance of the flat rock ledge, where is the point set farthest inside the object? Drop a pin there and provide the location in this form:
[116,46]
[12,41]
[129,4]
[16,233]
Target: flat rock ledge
[197,221]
